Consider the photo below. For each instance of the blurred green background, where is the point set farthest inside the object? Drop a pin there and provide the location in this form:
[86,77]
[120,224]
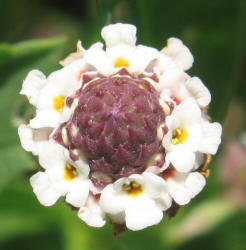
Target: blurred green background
[38,33]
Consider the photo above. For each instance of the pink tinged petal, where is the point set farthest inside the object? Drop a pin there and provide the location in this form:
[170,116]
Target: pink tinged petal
[176,50]
[142,212]
[182,158]
[42,188]
[199,91]
[153,185]
[112,201]
[32,86]
[92,213]
[194,184]
[115,34]
[78,192]
[211,137]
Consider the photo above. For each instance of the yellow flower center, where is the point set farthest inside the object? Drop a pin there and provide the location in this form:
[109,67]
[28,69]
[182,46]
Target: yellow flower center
[133,189]
[58,103]
[70,172]
[179,136]
[121,62]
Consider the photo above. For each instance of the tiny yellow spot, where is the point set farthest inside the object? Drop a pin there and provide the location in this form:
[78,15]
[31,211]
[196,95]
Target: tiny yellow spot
[121,62]
[179,136]
[133,189]
[58,103]
[70,172]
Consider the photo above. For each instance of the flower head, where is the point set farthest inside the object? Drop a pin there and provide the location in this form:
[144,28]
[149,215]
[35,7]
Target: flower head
[121,131]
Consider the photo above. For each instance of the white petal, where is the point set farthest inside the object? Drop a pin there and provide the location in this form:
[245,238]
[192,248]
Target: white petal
[97,58]
[187,112]
[51,155]
[142,212]
[182,158]
[32,139]
[78,192]
[115,34]
[199,159]
[26,138]
[32,85]
[45,193]
[112,201]
[172,79]
[194,183]
[211,137]
[164,201]
[142,57]
[165,63]
[176,50]
[199,91]
[91,213]
[177,189]
[67,80]
[49,118]
[154,185]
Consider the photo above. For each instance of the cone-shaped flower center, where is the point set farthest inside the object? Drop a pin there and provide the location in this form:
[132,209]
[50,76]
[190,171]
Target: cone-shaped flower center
[115,124]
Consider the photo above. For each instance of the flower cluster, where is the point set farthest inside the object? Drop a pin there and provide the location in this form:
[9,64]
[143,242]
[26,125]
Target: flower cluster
[121,132]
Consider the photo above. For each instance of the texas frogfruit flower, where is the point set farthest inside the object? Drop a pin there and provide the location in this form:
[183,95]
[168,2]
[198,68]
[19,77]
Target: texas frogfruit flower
[120,132]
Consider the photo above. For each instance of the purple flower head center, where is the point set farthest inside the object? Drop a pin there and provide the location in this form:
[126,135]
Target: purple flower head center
[114,124]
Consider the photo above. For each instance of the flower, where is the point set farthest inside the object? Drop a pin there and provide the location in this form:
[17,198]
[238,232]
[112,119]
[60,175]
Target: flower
[49,95]
[121,51]
[189,132]
[62,177]
[179,86]
[142,198]
[121,131]
[183,186]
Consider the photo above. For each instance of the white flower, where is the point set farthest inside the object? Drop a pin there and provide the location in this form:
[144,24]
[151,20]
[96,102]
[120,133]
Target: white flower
[141,197]
[184,186]
[62,177]
[91,213]
[121,51]
[188,133]
[179,53]
[178,85]
[49,95]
